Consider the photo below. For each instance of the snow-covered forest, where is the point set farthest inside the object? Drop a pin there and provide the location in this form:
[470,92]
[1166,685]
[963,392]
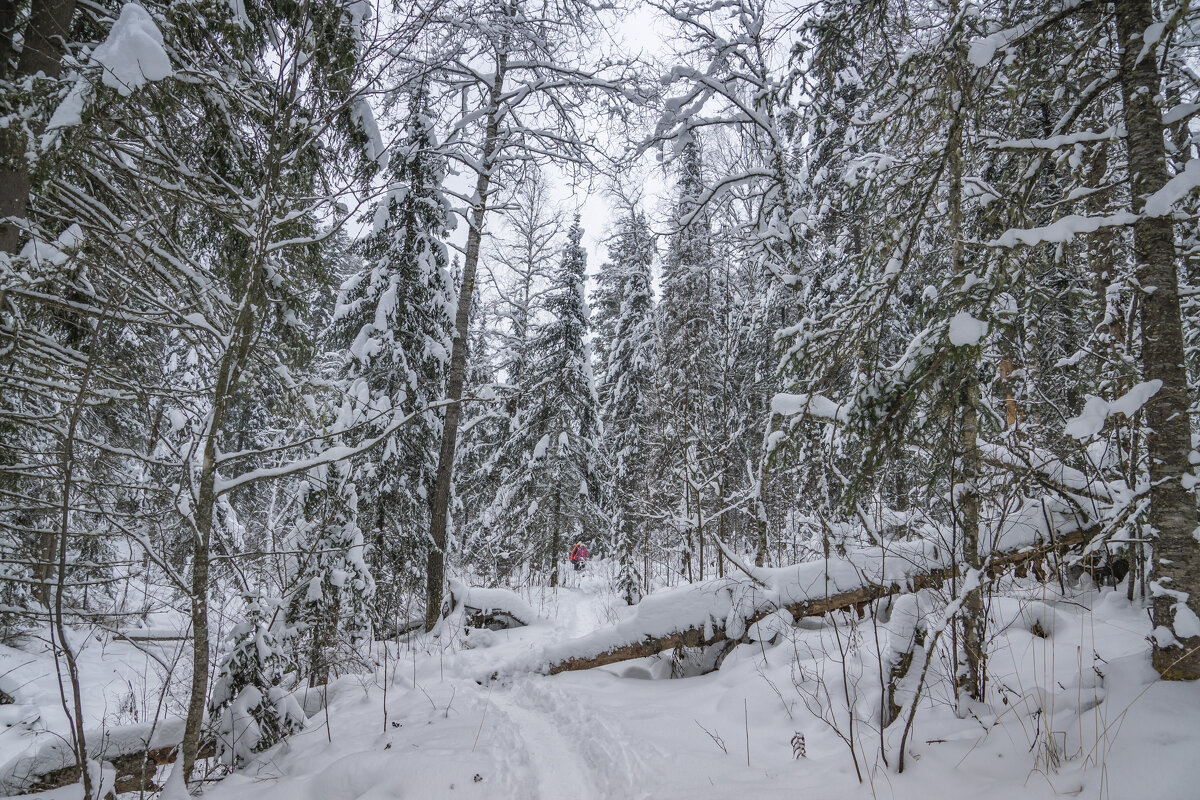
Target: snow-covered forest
[599,399]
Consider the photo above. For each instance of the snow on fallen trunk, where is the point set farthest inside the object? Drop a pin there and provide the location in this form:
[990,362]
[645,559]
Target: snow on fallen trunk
[53,753]
[709,612]
[731,605]
[488,603]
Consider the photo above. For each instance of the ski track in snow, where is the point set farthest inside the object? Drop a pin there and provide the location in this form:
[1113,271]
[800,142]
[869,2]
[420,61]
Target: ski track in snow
[570,751]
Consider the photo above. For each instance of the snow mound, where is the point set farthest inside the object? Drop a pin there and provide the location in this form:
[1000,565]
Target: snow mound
[133,54]
[489,601]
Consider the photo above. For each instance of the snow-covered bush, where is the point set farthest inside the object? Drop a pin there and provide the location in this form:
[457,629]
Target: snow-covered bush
[329,609]
[250,708]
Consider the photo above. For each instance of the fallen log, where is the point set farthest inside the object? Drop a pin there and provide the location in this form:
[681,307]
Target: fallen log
[135,751]
[750,602]
[135,771]
[495,609]
[395,630]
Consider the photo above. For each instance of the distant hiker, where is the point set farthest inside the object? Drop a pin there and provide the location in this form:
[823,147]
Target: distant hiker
[579,555]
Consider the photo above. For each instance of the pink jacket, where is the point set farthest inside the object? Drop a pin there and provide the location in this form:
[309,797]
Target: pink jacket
[579,553]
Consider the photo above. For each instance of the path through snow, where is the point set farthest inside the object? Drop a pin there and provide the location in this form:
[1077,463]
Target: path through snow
[571,751]
[451,733]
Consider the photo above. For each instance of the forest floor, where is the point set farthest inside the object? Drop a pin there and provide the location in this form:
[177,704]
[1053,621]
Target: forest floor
[1076,713]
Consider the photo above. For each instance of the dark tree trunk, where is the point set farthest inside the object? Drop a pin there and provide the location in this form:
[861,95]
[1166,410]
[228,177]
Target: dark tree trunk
[435,566]
[1172,505]
[555,539]
[45,38]
[45,35]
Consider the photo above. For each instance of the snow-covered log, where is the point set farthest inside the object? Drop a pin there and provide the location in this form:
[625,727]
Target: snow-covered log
[153,635]
[706,613]
[496,609]
[135,751]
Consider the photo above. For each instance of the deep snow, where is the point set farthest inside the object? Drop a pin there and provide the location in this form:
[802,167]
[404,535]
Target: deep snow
[1079,713]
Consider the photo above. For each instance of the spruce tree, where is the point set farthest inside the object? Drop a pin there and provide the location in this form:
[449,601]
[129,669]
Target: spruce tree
[392,329]
[250,708]
[687,365]
[330,607]
[628,392]
[546,493]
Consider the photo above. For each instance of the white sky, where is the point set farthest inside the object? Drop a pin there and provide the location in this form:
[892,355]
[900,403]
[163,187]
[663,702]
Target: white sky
[638,33]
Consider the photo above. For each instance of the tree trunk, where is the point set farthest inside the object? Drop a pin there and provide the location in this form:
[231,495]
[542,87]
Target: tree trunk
[687,510]
[45,37]
[555,539]
[760,499]
[435,566]
[721,527]
[1012,411]
[631,591]
[966,489]
[974,616]
[206,497]
[74,712]
[45,34]
[1172,505]
[323,635]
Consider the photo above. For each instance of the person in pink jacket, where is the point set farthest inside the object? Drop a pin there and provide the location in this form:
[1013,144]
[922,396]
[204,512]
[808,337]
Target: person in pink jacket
[579,555]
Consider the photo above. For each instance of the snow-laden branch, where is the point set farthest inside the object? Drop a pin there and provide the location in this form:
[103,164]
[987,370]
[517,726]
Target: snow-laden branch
[1062,230]
[332,455]
[1048,468]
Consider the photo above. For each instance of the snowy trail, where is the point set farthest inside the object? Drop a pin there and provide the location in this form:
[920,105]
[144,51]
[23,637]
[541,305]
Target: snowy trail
[570,751]
[578,607]
[553,766]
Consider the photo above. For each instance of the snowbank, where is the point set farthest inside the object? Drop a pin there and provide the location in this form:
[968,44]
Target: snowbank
[1078,713]
[491,601]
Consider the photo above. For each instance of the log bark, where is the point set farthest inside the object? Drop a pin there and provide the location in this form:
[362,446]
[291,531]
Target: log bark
[818,606]
[135,771]
[1172,504]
